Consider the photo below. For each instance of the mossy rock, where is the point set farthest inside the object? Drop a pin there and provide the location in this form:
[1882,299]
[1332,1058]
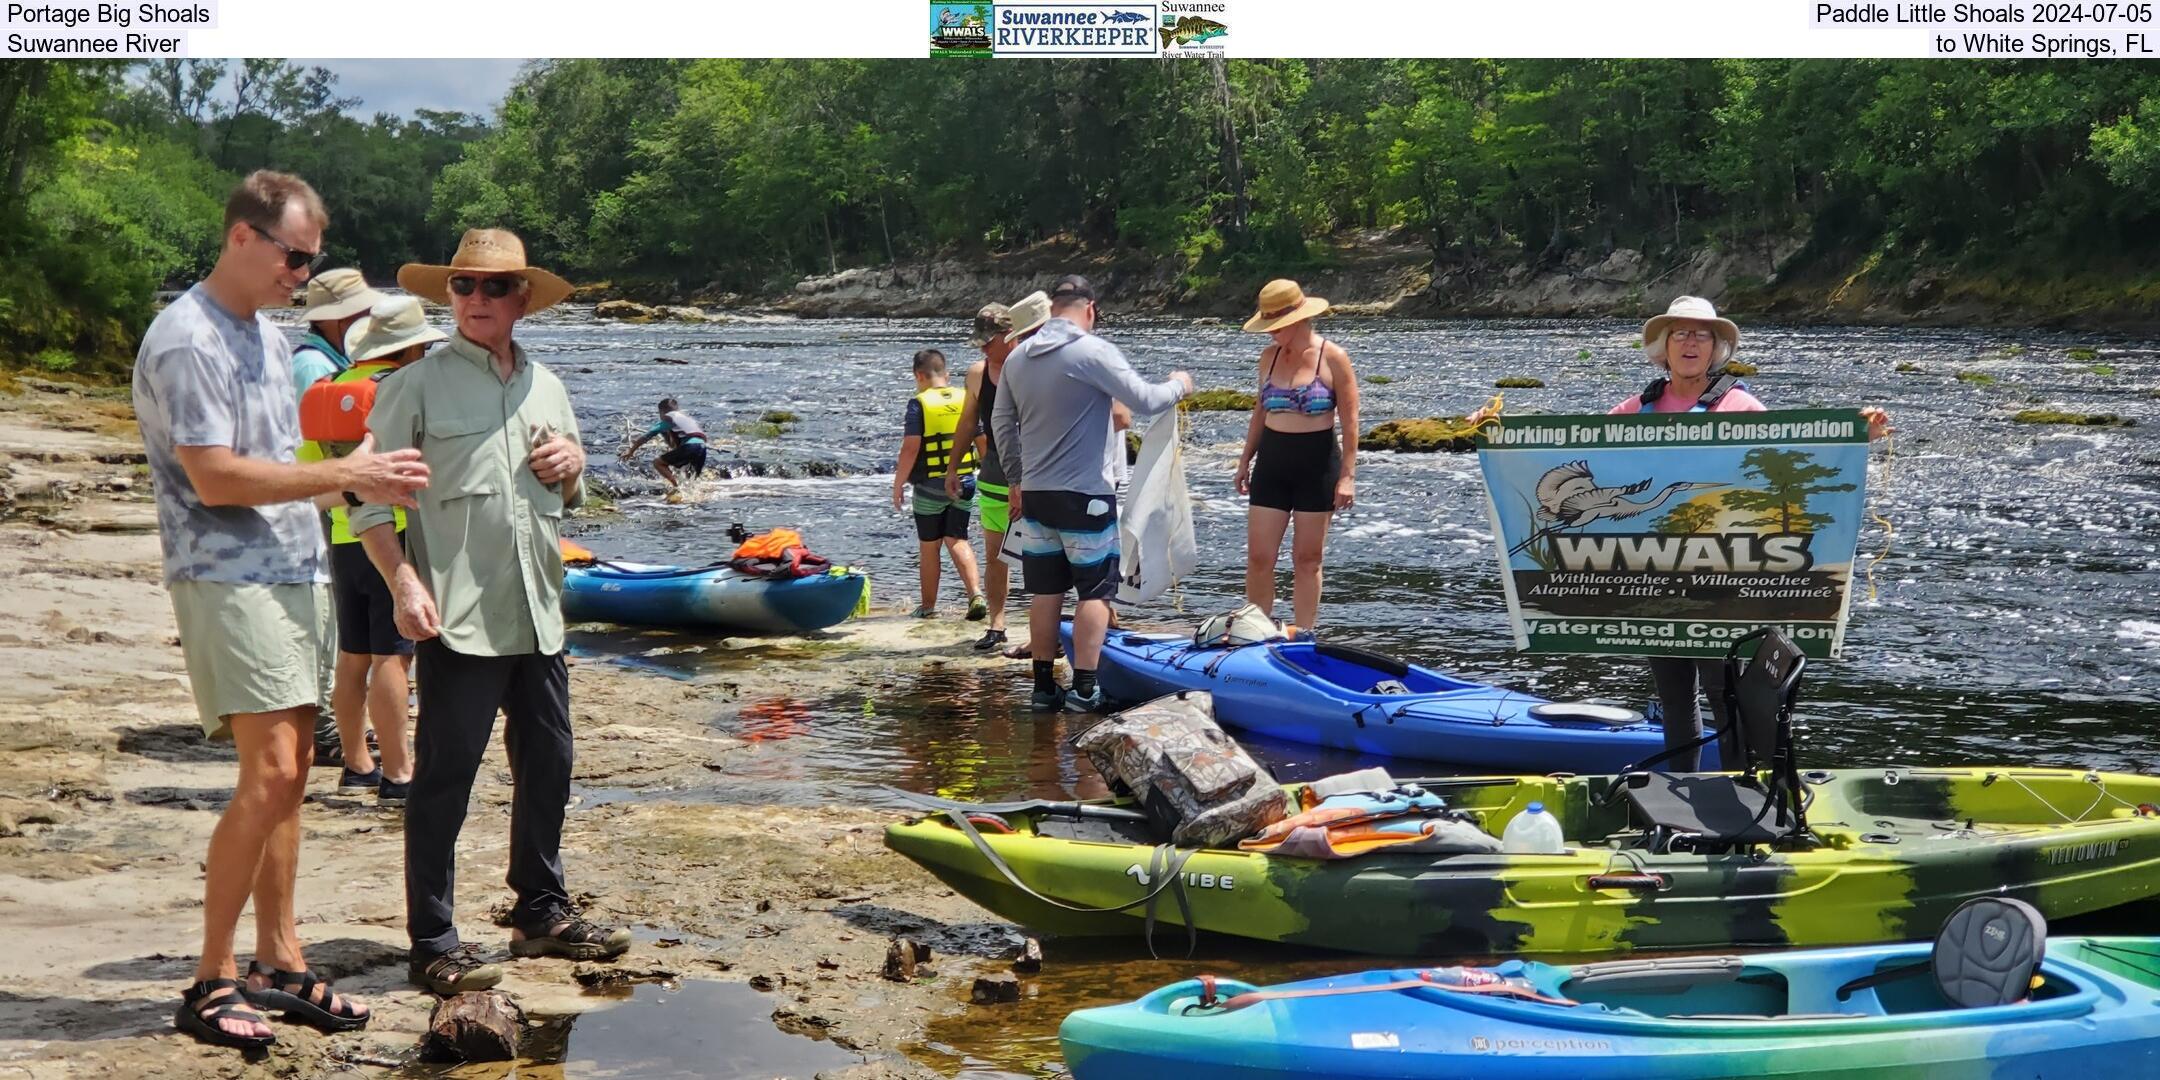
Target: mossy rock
[2084,355]
[1907,367]
[1977,378]
[1741,369]
[756,429]
[1519,382]
[2105,371]
[779,416]
[1379,380]
[2057,416]
[1582,354]
[1217,401]
[1431,435]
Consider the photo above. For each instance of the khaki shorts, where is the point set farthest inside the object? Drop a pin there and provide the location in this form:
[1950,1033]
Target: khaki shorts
[254,648]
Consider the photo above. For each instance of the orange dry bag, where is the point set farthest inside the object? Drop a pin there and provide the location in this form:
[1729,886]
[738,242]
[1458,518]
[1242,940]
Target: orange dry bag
[772,544]
[335,410]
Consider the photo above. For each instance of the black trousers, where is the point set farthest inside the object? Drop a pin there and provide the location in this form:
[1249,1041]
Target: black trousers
[459,696]
[1677,680]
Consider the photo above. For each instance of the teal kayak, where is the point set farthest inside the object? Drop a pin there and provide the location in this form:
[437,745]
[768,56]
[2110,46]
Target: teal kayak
[2095,1012]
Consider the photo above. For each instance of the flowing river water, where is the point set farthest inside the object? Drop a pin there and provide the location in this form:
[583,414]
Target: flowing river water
[2013,618]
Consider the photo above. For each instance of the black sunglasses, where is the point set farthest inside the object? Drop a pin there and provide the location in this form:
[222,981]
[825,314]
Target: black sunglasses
[295,258]
[494,288]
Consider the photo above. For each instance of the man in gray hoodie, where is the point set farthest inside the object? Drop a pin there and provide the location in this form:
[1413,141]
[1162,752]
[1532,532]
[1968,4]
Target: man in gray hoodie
[1054,434]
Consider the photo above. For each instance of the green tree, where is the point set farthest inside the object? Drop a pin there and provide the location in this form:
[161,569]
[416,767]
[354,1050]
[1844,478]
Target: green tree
[1789,480]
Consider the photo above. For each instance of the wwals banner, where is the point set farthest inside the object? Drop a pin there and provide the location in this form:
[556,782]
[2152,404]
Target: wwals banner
[1673,534]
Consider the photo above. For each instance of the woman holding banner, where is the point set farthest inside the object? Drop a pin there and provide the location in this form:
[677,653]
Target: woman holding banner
[1690,344]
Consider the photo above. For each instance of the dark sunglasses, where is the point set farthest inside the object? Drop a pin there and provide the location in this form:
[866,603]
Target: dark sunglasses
[295,259]
[494,288]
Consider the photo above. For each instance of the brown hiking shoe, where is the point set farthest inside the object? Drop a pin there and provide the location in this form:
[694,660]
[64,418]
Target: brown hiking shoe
[453,972]
[576,939]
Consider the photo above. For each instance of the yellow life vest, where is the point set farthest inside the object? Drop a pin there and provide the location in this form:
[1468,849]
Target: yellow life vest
[316,450]
[941,408]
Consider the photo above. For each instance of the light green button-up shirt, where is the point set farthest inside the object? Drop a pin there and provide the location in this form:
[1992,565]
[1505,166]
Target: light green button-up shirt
[485,536]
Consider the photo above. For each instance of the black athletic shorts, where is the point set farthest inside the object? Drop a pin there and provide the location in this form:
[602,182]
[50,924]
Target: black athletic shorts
[689,457]
[366,615]
[1296,471]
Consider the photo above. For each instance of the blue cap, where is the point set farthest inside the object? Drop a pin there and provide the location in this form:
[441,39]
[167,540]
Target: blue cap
[1536,808]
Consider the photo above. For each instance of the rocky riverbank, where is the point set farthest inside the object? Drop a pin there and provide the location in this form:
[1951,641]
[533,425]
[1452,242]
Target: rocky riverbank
[1392,273]
[108,793]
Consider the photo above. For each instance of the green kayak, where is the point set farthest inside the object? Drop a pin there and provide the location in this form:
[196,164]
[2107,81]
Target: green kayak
[1883,855]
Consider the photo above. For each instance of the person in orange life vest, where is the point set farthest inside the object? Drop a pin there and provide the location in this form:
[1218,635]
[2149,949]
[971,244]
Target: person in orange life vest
[930,438]
[373,680]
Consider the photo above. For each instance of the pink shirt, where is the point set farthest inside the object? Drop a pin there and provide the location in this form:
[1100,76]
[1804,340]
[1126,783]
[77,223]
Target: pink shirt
[1735,400]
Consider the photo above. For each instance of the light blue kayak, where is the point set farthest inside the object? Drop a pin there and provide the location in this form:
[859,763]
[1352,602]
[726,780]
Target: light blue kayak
[2095,1013]
[717,598]
[1331,695]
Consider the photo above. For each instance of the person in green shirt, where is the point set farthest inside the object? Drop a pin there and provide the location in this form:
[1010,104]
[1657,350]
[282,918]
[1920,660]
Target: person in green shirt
[477,586]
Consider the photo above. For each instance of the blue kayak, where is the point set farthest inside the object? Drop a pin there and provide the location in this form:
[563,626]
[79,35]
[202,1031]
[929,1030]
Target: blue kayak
[710,597]
[1332,695]
[1864,1012]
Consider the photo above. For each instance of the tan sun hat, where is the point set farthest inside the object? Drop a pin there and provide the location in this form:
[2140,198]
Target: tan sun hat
[390,327]
[1693,308]
[486,251]
[337,294]
[1282,302]
[1031,311]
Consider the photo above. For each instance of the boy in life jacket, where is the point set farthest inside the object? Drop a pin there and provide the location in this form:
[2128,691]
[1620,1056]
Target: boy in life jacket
[373,660]
[685,440]
[930,437]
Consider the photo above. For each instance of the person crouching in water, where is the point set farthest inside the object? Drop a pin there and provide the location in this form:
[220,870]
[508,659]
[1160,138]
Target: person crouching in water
[928,442]
[686,444]
[373,681]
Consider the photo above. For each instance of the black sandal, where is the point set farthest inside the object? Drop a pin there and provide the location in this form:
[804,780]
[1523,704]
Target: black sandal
[235,1006]
[293,994]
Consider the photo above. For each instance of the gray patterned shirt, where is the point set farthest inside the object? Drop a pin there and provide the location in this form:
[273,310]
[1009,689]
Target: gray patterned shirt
[205,377]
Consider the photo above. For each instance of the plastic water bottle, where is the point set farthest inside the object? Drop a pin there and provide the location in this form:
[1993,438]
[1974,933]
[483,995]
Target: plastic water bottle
[1533,832]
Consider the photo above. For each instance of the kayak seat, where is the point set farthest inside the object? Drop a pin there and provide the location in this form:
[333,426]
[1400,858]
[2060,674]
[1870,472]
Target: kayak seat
[1723,810]
[1985,956]
[1712,809]
[1988,951]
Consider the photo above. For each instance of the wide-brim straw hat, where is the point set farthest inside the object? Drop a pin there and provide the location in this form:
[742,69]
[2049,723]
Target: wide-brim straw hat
[1283,302]
[392,326]
[486,251]
[1694,309]
[1029,312]
[337,294]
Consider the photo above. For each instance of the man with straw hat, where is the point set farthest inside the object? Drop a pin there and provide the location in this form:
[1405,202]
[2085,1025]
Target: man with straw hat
[480,593]
[372,680]
[1055,438]
[336,299]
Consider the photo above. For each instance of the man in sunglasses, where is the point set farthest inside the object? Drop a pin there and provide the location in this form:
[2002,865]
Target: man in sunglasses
[480,595]
[245,565]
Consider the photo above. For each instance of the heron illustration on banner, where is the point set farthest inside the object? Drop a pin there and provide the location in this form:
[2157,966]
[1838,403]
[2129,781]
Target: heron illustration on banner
[1568,497]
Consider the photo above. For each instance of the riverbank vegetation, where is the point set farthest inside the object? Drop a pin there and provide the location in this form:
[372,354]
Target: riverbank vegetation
[731,175]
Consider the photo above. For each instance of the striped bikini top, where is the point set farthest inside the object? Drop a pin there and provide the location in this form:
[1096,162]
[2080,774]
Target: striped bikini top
[1312,399]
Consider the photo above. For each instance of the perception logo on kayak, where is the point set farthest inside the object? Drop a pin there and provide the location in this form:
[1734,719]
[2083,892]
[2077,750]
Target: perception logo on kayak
[1074,30]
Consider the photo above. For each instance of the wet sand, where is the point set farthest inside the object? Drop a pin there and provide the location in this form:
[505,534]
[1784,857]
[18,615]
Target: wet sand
[108,794]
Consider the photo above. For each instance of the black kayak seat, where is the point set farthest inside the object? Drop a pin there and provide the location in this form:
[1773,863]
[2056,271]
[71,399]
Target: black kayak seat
[1716,808]
[1986,955]
[1988,952]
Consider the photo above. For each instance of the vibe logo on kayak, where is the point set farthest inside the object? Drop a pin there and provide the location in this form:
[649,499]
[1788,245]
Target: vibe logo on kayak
[1140,874]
